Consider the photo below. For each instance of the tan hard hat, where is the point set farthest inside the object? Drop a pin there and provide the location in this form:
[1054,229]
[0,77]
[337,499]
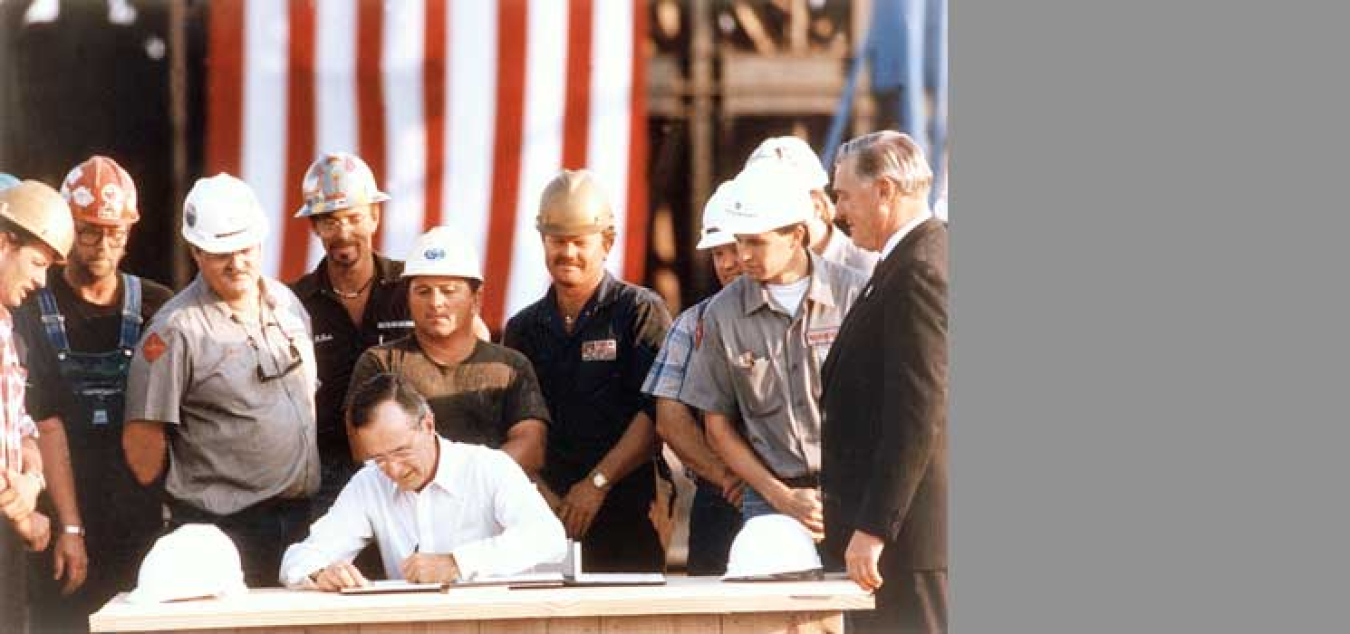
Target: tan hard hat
[41,211]
[574,204]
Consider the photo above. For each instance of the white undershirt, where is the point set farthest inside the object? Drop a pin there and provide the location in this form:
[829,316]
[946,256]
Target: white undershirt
[790,296]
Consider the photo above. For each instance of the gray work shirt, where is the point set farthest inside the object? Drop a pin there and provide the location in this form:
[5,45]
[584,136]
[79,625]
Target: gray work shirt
[236,439]
[756,360]
[840,249]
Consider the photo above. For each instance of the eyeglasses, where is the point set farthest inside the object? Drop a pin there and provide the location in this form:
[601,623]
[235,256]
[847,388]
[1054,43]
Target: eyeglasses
[331,224]
[296,359]
[90,236]
[400,455]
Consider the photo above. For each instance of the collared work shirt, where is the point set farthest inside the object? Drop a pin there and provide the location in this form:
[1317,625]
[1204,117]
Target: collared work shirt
[15,423]
[234,439]
[592,377]
[338,342]
[757,361]
[479,507]
[667,376]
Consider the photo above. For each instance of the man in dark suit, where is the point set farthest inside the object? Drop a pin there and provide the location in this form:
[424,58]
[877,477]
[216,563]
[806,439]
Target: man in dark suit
[884,383]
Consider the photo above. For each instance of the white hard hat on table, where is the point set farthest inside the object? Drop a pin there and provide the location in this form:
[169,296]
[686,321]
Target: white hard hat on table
[443,251]
[222,215]
[196,560]
[771,548]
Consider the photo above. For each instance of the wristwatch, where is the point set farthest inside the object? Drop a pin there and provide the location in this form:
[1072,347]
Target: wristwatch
[599,480]
[73,529]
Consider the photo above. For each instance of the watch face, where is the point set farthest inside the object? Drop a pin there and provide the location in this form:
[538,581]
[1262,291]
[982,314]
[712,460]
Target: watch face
[599,480]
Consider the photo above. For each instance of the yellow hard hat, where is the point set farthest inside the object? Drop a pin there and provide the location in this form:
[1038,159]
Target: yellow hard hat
[574,204]
[40,210]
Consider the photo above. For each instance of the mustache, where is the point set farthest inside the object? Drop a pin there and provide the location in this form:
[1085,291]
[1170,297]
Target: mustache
[566,262]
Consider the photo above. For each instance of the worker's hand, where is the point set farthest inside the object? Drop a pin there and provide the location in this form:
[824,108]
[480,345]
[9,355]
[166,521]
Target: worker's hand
[803,505]
[429,568]
[732,488]
[36,531]
[19,497]
[580,506]
[70,560]
[339,575]
[861,558]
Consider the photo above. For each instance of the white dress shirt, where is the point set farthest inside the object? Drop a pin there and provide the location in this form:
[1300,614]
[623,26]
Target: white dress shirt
[480,507]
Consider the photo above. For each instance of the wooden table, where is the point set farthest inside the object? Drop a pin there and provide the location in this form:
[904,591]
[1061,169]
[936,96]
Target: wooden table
[693,605]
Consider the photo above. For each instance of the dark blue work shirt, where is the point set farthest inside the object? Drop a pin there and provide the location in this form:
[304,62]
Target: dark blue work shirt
[591,378]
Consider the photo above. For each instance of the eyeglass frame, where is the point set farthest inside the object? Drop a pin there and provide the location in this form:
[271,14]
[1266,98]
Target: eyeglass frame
[297,359]
[330,223]
[405,452]
[115,240]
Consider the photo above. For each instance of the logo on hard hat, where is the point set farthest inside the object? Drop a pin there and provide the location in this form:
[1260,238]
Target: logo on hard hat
[190,215]
[81,196]
[433,254]
[112,202]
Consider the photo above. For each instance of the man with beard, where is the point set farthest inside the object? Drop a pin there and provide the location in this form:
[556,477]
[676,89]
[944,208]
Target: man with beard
[35,232]
[80,332]
[480,392]
[592,340]
[356,297]
[225,377]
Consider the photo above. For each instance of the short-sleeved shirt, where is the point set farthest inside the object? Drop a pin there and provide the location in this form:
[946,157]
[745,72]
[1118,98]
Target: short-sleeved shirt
[592,377]
[761,363]
[840,249]
[666,378]
[338,342]
[89,327]
[474,401]
[235,439]
[15,424]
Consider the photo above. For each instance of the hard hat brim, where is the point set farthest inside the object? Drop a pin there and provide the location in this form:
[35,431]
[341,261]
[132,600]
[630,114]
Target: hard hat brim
[230,244]
[721,238]
[306,210]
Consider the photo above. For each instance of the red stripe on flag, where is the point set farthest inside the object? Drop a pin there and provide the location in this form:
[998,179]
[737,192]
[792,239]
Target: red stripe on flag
[299,136]
[635,239]
[370,89]
[433,98]
[512,31]
[577,107]
[225,87]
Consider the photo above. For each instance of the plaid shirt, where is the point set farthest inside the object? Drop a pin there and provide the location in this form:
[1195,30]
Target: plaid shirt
[666,377]
[15,423]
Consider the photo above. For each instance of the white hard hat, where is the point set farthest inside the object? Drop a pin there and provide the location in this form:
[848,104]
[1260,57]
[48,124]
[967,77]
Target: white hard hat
[773,548]
[714,217]
[767,199]
[222,215]
[196,560]
[442,251]
[796,154]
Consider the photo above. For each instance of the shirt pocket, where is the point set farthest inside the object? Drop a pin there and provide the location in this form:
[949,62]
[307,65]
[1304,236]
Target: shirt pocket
[757,388]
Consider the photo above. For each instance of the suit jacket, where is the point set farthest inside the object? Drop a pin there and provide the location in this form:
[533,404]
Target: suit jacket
[884,399]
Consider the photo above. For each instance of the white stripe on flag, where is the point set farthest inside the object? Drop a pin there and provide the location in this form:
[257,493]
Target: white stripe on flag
[405,127]
[471,100]
[541,145]
[263,156]
[334,88]
[611,109]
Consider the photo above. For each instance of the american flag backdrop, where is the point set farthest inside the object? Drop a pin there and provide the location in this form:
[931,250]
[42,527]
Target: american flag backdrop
[464,109]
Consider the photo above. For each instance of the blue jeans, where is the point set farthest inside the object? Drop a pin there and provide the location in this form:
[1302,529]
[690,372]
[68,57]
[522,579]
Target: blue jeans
[754,505]
[713,524]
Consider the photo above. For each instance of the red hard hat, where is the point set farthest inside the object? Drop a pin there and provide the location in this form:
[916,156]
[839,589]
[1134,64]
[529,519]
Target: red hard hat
[100,191]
